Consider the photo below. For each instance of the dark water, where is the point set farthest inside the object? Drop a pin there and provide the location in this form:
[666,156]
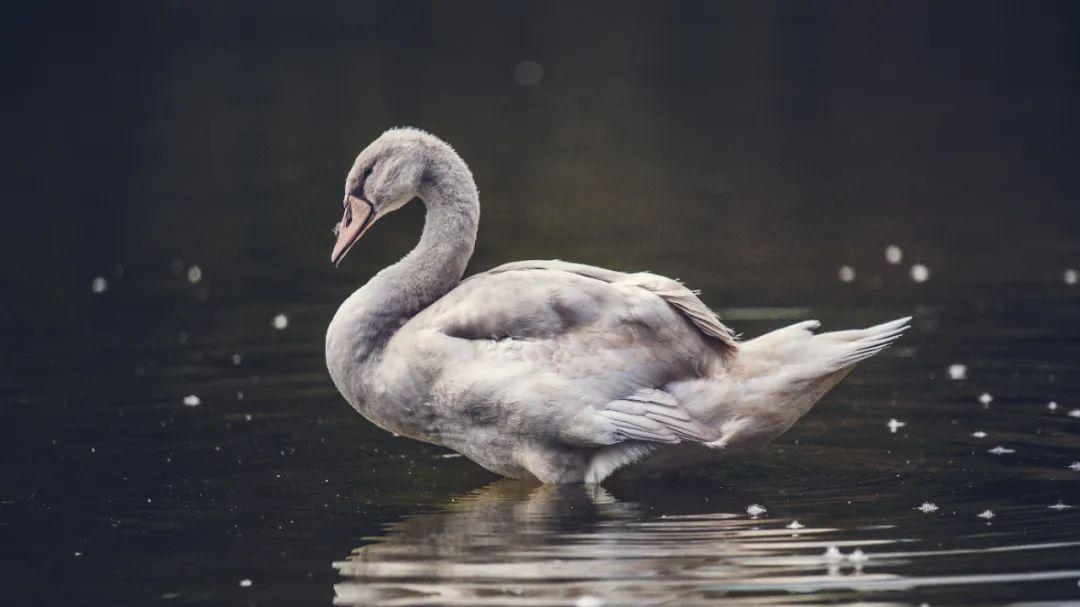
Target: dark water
[751,150]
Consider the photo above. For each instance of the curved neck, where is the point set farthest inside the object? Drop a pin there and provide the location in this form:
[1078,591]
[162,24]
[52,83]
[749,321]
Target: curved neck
[372,314]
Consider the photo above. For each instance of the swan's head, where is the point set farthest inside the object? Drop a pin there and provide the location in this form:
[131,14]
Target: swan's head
[386,175]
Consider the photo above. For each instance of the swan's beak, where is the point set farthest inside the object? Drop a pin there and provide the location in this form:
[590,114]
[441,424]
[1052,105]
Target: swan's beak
[358,217]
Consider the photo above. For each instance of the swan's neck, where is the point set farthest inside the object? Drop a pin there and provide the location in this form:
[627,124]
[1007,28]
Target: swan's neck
[370,316]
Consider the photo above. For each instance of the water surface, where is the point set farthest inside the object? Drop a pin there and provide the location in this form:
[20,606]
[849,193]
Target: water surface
[749,150]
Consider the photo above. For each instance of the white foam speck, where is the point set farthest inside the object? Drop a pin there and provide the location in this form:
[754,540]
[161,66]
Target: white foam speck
[99,284]
[280,322]
[979,434]
[986,514]
[755,510]
[1075,466]
[192,401]
[858,557]
[194,274]
[795,525]
[999,450]
[588,600]
[1052,406]
[894,254]
[245,583]
[986,398]
[927,507]
[1074,413]
[528,73]
[846,273]
[895,424]
[957,372]
[1059,506]
[1071,277]
[247,417]
[920,273]
[78,554]
[832,554]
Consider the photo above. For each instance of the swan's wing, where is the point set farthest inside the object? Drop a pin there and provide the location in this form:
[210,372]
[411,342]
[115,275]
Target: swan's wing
[682,299]
[587,351]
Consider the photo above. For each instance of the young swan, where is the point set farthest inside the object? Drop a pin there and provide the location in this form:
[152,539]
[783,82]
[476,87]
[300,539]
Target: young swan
[551,370]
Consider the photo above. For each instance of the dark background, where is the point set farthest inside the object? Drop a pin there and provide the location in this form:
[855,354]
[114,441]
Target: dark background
[750,149]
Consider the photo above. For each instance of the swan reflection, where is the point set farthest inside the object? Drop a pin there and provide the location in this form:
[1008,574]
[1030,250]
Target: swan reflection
[515,543]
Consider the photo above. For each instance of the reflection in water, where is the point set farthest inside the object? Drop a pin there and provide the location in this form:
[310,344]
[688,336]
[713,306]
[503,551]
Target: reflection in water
[514,543]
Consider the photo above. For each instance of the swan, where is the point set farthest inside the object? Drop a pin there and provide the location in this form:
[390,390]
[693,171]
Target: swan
[549,370]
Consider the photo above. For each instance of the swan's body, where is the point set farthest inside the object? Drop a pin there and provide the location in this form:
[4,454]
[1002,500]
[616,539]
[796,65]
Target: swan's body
[551,370]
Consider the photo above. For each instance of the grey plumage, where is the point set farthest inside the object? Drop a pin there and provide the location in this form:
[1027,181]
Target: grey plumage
[552,370]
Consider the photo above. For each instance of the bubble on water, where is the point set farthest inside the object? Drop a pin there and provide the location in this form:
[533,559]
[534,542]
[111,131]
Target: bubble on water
[979,434]
[927,507]
[247,417]
[1071,277]
[528,73]
[237,359]
[846,273]
[985,398]
[986,514]
[895,424]
[795,525]
[894,254]
[957,372]
[1052,406]
[1075,466]
[1000,450]
[832,554]
[1074,413]
[755,510]
[245,583]
[588,600]
[1059,506]
[99,284]
[192,401]
[920,273]
[239,395]
[858,557]
[194,274]
[280,322]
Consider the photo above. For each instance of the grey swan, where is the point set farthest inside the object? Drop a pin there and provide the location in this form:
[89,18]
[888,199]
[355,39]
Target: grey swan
[549,370]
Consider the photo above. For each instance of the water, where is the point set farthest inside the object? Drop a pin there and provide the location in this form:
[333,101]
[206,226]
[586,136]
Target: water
[167,238]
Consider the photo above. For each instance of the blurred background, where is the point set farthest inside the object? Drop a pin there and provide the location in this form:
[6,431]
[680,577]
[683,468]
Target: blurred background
[173,170]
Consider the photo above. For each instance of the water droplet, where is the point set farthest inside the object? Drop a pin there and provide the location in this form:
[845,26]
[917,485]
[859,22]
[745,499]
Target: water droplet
[1071,277]
[237,359]
[99,284]
[986,398]
[1052,406]
[528,73]
[1074,413]
[957,372]
[979,434]
[999,450]
[927,507]
[895,425]
[755,510]
[194,274]
[893,254]
[280,321]
[245,583]
[920,273]
[846,273]
[192,401]
[78,554]
[986,514]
